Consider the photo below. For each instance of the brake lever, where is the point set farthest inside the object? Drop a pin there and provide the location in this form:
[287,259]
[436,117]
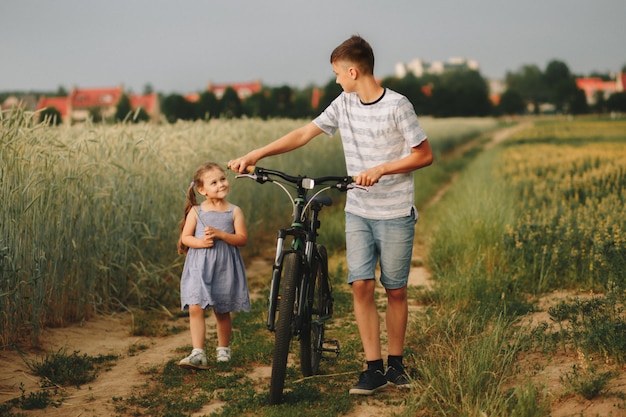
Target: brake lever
[358,187]
[261,179]
[350,186]
[251,176]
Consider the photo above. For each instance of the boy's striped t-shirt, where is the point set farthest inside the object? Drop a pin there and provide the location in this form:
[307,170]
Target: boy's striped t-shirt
[372,134]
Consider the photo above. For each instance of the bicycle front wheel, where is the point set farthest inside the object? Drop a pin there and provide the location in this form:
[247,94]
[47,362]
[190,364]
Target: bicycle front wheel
[284,325]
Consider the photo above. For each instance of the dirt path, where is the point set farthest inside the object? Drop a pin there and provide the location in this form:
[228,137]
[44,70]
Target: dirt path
[109,335]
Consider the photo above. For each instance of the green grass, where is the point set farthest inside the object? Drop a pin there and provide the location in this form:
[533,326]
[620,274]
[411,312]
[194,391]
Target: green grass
[468,333]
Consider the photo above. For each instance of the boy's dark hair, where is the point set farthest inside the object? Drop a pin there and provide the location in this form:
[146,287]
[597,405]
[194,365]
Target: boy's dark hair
[357,51]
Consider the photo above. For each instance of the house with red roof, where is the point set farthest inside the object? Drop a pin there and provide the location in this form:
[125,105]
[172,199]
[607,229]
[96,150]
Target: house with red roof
[81,104]
[593,86]
[244,90]
[148,102]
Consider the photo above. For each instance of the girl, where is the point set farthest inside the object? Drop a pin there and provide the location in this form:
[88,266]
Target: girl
[213,274]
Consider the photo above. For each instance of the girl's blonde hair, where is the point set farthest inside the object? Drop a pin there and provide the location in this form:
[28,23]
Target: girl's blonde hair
[191,197]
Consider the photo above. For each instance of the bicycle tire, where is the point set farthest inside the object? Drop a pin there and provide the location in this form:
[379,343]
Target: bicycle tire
[284,325]
[306,347]
[312,334]
[318,342]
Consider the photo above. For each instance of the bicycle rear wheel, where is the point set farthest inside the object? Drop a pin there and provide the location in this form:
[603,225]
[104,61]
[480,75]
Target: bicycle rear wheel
[319,309]
[284,325]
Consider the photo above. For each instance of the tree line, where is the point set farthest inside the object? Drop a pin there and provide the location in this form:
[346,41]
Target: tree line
[455,93]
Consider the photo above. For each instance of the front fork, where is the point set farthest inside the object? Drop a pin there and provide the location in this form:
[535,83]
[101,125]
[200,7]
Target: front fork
[272,301]
[303,290]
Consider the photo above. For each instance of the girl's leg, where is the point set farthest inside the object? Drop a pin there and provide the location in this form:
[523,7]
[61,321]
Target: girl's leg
[224,329]
[197,326]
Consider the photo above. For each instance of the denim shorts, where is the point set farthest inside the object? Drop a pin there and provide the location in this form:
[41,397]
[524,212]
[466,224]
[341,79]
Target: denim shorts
[388,241]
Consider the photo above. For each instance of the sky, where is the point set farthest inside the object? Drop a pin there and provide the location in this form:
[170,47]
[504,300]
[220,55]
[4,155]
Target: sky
[181,46]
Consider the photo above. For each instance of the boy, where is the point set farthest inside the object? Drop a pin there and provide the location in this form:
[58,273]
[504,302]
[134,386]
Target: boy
[383,143]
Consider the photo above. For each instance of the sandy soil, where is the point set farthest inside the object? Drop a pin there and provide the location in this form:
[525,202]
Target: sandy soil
[109,335]
[106,335]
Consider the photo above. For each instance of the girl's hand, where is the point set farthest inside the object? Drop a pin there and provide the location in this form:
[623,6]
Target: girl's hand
[209,237]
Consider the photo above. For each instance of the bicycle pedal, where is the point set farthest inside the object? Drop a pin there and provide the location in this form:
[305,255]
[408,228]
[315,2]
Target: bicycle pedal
[331,348]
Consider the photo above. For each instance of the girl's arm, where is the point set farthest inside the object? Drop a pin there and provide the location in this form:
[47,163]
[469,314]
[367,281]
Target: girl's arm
[187,235]
[240,237]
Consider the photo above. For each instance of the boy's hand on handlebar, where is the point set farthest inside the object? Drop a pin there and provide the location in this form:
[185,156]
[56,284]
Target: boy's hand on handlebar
[242,164]
[368,177]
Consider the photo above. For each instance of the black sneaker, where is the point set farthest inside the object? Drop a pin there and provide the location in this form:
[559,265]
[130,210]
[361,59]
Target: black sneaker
[397,378]
[369,383]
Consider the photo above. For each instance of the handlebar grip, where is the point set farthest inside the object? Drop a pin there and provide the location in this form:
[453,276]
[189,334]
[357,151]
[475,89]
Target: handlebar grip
[249,169]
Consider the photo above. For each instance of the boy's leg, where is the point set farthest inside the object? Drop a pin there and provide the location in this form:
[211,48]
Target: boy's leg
[366,316]
[372,379]
[396,242]
[396,320]
[397,317]
[362,255]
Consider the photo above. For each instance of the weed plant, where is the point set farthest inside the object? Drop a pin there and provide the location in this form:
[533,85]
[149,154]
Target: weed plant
[61,368]
[57,369]
[593,326]
[586,382]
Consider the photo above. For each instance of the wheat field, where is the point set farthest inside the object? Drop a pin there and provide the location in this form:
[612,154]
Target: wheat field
[90,214]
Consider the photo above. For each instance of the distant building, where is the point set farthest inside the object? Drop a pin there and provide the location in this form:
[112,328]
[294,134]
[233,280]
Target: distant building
[81,104]
[593,86]
[496,88]
[420,67]
[25,101]
[244,90]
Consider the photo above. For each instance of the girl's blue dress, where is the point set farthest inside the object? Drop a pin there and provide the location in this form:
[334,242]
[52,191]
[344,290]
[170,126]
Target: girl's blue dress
[215,277]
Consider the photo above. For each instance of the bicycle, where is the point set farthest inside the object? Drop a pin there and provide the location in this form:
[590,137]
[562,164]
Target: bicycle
[300,289]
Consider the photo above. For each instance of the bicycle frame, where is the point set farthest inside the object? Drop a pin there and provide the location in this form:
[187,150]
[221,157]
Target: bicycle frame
[303,300]
[304,232]
[303,229]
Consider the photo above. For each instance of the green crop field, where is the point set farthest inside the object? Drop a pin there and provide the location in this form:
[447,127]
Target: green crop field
[526,248]
[89,215]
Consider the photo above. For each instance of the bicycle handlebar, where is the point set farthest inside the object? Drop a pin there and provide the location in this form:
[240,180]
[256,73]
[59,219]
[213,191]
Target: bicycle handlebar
[262,175]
